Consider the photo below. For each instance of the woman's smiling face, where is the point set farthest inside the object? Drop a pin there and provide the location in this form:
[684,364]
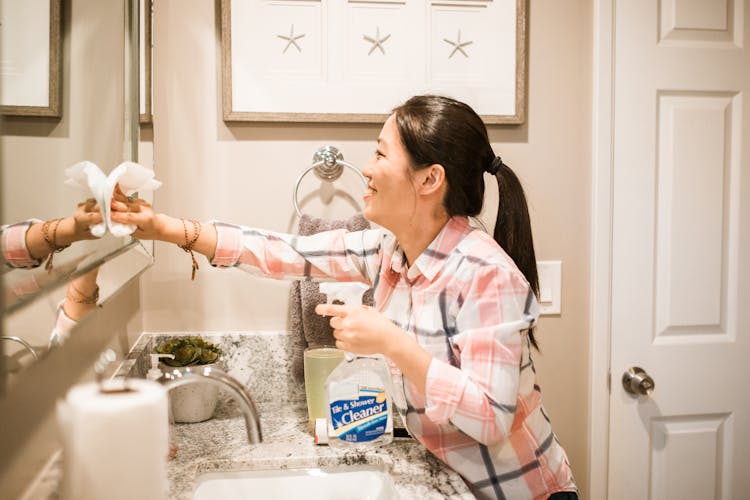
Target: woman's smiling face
[391,195]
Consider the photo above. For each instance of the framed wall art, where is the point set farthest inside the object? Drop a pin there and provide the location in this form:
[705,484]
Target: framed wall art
[354,60]
[146,47]
[30,58]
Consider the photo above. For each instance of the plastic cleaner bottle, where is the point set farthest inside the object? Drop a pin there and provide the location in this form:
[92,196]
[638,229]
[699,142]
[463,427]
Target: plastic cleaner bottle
[359,404]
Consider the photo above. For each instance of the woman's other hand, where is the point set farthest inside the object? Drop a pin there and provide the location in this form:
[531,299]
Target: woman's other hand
[361,329]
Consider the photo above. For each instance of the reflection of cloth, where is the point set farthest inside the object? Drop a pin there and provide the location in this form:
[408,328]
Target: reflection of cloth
[306,327]
[131,176]
[467,304]
[14,249]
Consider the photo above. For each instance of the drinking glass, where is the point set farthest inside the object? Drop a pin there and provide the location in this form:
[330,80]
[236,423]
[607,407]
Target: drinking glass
[319,362]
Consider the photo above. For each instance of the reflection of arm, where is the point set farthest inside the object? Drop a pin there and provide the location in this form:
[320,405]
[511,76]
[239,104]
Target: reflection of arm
[80,298]
[27,243]
[15,251]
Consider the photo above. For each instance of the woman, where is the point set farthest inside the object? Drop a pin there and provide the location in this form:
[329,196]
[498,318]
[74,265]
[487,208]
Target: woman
[454,309]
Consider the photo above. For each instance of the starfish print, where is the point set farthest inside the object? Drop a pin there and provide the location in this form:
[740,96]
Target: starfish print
[458,45]
[377,42]
[291,40]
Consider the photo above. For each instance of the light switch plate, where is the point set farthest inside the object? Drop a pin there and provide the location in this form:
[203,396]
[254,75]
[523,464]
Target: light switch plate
[550,286]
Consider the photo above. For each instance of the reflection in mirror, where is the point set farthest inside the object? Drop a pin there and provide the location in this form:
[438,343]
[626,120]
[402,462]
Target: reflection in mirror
[97,122]
[32,330]
[41,255]
[81,296]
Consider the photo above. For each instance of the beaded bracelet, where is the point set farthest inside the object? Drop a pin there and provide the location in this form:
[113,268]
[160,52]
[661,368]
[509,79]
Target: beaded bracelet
[52,243]
[188,246]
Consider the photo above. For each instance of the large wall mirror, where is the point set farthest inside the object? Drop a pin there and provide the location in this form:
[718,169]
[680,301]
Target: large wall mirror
[95,46]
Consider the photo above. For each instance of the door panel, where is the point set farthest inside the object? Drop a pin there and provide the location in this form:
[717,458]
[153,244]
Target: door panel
[695,282]
[681,223]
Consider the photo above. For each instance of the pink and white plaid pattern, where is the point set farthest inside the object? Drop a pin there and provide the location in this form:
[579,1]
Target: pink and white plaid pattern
[468,305]
[14,248]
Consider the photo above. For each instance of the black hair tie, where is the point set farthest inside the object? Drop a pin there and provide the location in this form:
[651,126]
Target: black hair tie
[494,166]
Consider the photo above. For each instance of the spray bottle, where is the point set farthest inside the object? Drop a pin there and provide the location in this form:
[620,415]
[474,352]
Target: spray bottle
[359,404]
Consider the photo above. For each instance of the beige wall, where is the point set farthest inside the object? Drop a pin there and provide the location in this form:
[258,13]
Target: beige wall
[245,174]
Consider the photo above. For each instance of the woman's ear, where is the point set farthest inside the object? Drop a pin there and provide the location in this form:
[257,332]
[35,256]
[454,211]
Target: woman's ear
[432,179]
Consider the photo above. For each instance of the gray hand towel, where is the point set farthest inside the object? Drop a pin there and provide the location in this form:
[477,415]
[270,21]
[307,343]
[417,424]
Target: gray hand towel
[306,327]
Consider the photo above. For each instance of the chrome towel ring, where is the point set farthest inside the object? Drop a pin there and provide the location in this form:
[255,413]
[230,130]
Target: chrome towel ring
[328,164]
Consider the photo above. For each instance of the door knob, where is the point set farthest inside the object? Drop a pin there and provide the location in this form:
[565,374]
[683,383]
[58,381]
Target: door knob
[636,381]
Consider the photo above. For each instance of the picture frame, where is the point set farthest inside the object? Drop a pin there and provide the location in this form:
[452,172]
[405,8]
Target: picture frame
[146,14]
[282,61]
[28,88]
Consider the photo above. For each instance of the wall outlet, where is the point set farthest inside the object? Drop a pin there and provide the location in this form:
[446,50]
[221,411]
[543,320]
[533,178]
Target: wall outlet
[550,286]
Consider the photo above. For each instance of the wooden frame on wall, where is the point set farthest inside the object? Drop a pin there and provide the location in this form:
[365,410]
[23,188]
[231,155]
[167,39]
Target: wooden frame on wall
[146,13]
[28,90]
[258,85]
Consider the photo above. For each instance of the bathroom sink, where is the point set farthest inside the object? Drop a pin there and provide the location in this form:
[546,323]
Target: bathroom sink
[336,483]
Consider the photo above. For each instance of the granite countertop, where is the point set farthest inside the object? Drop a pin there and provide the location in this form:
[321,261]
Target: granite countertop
[220,444]
[261,360]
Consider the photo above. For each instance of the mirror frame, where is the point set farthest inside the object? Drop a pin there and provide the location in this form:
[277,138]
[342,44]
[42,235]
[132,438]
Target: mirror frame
[53,107]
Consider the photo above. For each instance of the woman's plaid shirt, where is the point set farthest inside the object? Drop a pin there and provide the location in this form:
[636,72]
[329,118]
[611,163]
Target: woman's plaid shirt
[470,307]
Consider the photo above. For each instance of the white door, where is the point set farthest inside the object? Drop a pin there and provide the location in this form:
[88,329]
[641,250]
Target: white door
[681,249]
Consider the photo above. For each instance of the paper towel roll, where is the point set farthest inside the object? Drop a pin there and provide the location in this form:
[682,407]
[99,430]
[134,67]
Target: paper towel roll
[115,445]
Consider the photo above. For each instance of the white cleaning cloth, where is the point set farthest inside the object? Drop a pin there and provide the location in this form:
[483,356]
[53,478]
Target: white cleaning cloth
[90,178]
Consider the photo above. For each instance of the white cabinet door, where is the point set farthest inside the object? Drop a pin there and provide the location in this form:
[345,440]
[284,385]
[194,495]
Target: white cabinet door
[681,249]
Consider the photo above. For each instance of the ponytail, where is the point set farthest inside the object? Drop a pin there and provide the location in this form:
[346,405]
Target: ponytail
[513,227]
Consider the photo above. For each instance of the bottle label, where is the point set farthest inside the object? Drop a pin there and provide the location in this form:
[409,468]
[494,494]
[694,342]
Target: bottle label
[362,418]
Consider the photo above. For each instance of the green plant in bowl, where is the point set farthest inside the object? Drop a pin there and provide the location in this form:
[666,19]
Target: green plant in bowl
[189,351]
[192,402]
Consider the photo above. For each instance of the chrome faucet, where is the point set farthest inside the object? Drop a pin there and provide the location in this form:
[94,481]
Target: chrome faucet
[207,374]
[21,341]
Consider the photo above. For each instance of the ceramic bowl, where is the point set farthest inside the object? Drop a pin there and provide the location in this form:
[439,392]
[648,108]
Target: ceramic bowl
[194,402]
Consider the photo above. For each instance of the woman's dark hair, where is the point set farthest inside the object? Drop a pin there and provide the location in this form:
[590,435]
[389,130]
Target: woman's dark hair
[437,129]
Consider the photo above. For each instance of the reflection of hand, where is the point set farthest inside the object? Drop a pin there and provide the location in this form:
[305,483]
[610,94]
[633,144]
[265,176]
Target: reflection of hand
[87,215]
[53,235]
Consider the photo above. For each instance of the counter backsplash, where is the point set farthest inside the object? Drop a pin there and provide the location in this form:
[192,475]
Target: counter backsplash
[261,360]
